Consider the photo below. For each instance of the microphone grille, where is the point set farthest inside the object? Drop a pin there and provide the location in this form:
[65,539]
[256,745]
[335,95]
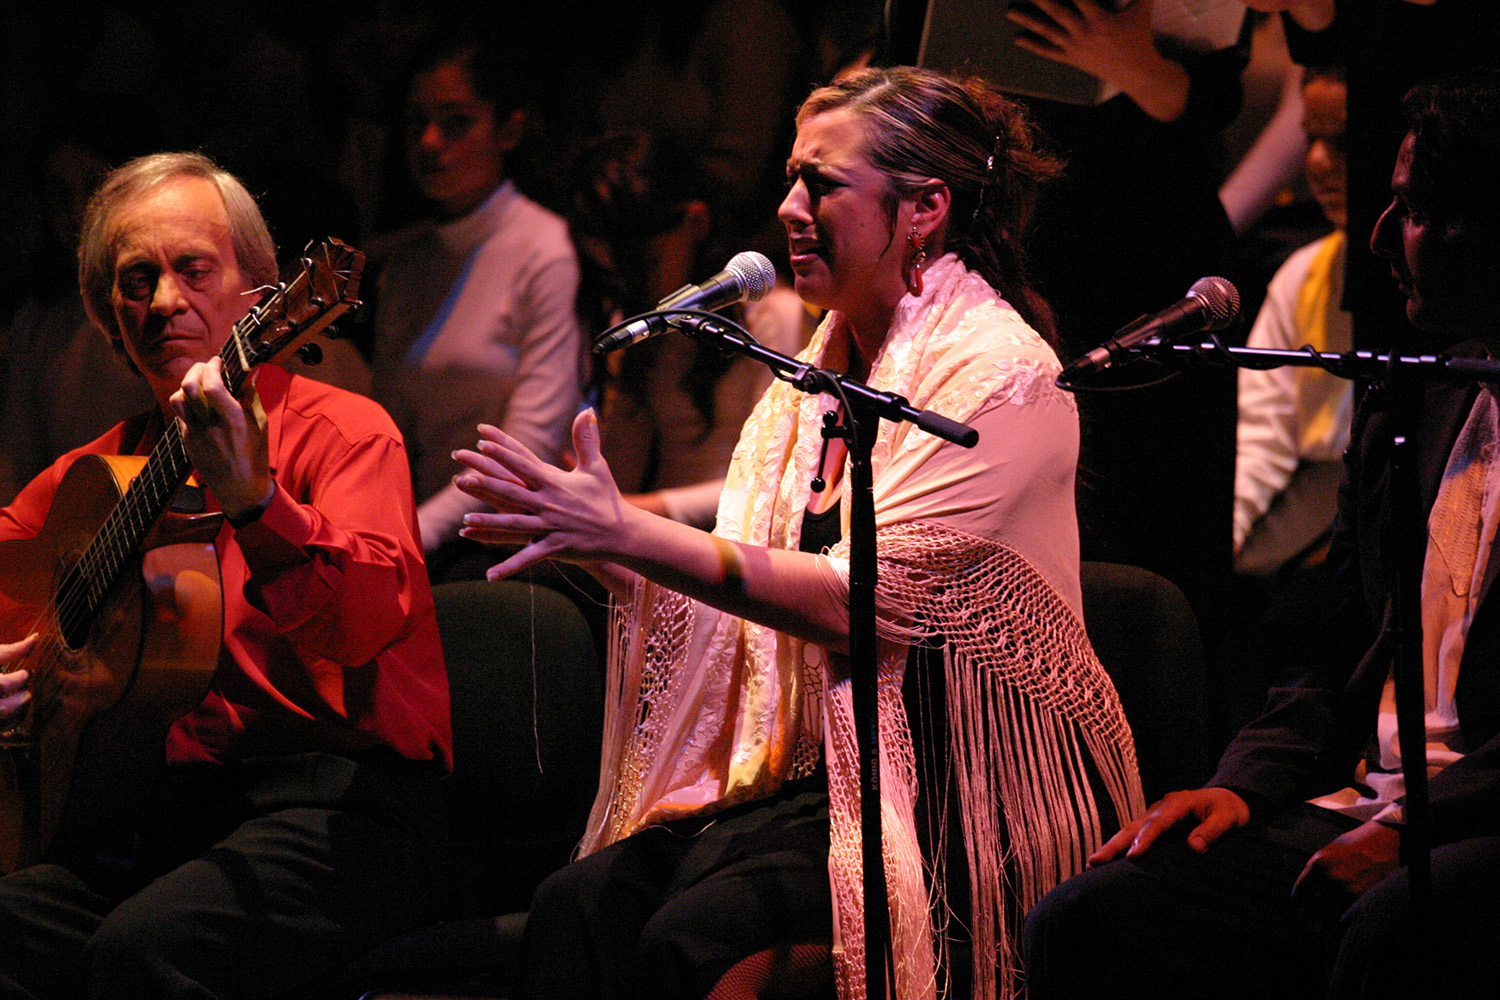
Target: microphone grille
[756,271]
[1220,299]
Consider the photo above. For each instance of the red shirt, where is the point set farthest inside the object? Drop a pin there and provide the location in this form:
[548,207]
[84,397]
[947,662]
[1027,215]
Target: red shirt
[330,634]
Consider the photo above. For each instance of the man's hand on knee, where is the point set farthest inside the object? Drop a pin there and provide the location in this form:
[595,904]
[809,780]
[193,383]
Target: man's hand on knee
[1217,810]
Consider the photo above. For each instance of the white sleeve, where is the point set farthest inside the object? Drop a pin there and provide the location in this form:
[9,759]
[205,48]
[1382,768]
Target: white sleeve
[548,393]
[1266,437]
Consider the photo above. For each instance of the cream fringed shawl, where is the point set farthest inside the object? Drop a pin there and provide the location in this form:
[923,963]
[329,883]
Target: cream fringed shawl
[978,547]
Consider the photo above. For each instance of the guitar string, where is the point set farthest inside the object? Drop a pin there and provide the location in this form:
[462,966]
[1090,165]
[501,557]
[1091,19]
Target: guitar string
[81,590]
[81,593]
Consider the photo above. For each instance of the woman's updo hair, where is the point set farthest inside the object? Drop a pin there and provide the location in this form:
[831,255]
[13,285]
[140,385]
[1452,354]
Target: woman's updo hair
[920,126]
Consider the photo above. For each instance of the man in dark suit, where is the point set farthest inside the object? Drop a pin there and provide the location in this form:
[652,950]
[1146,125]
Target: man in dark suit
[1283,876]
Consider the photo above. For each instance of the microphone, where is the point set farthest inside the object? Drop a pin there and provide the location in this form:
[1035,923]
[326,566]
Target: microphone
[746,278]
[1211,304]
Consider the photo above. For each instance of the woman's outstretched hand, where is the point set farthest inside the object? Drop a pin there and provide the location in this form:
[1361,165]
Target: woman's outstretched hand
[578,515]
[575,515]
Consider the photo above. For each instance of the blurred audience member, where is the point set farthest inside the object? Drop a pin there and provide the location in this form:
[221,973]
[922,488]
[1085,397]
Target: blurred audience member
[841,36]
[1294,422]
[1387,46]
[365,65]
[474,310]
[1293,431]
[1266,144]
[646,224]
[1134,223]
[61,385]
[718,78]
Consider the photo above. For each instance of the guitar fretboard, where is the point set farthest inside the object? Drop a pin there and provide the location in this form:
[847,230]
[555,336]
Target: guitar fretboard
[87,585]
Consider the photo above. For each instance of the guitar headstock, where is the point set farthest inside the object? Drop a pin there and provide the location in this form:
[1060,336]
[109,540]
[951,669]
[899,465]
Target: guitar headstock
[326,287]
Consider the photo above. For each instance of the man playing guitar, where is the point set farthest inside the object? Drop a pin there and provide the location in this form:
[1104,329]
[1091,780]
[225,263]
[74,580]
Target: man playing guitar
[298,811]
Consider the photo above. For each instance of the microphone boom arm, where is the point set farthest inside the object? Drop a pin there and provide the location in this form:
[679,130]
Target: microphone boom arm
[729,336]
[1348,364]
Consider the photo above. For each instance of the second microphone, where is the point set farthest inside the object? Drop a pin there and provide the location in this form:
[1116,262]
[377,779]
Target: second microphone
[1211,304]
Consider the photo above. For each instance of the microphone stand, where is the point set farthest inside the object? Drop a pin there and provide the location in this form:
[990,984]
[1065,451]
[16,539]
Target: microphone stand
[864,408]
[1402,377]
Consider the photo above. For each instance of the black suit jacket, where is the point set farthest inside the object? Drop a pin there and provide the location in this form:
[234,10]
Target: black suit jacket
[1317,726]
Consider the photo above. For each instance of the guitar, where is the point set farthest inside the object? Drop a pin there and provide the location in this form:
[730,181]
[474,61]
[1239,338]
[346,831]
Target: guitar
[124,594]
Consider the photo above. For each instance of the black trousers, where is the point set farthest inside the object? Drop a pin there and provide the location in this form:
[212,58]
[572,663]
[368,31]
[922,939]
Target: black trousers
[1172,923]
[666,912]
[254,880]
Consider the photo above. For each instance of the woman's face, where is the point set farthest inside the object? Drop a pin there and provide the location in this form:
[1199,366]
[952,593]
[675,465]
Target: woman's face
[844,251]
[454,146]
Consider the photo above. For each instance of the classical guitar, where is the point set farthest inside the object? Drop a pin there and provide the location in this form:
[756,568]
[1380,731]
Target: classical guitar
[122,587]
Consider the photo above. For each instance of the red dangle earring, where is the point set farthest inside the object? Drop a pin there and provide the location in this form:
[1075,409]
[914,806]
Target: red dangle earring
[918,258]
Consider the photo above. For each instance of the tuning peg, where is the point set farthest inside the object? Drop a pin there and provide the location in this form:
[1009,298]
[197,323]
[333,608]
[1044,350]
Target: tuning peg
[310,353]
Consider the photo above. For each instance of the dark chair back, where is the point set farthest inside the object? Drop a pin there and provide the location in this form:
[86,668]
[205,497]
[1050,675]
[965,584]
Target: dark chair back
[527,718]
[1146,635]
[527,698]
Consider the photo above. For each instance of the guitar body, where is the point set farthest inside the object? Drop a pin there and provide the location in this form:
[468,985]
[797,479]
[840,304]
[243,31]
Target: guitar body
[106,688]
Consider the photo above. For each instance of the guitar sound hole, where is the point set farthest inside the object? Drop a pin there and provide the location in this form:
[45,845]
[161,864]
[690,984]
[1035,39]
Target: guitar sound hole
[75,610]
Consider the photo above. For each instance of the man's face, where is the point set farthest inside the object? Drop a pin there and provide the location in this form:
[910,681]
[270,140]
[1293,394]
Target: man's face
[1440,261]
[178,290]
